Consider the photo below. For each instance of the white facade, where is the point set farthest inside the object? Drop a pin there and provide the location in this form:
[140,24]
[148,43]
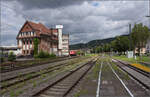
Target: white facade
[59,27]
[65,45]
[20,43]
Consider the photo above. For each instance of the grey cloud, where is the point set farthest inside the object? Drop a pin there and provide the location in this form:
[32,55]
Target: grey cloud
[82,20]
[9,39]
[29,4]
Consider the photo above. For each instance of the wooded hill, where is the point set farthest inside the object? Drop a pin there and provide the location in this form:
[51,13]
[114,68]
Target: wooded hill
[92,43]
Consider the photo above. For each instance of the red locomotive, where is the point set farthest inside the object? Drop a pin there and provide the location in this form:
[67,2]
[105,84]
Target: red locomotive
[73,53]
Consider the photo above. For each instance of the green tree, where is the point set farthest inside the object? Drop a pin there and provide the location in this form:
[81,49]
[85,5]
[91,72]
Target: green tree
[120,44]
[36,42]
[107,47]
[140,35]
[11,56]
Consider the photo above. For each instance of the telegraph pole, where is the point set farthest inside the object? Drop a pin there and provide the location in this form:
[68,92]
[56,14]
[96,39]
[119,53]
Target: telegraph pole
[130,37]
[149,14]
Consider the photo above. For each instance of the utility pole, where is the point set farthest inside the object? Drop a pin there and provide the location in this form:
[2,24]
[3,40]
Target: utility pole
[130,48]
[149,14]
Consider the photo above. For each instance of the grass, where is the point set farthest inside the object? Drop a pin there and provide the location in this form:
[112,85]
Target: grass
[145,59]
[91,54]
[134,61]
[96,69]
[80,93]
[34,84]
[120,72]
[14,94]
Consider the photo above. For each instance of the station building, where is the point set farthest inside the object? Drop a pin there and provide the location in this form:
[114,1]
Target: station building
[50,39]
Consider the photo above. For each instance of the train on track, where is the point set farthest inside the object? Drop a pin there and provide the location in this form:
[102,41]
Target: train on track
[73,53]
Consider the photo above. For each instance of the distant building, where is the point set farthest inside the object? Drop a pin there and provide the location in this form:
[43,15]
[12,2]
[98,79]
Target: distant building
[8,49]
[142,50]
[148,46]
[50,40]
[145,49]
[65,44]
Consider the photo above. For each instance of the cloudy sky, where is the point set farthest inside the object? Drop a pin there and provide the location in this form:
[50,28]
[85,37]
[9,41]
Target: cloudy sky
[84,20]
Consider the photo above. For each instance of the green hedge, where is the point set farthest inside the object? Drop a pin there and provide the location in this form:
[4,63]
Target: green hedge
[43,54]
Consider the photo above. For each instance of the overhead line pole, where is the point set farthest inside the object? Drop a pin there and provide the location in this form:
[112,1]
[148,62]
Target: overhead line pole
[130,37]
[149,14]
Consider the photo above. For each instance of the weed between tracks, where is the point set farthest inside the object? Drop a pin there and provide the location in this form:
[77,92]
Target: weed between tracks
[96,69]
[87,86]
[117,69]
[121,73]
[18,88]
[30,75]
[80,93]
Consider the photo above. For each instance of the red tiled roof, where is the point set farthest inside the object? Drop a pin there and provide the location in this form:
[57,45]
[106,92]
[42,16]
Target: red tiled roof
[40,27]
[53,30]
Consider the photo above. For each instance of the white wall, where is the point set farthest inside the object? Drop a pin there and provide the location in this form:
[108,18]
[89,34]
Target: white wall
[60,39]
[65,45]
[20,43]
[59,27]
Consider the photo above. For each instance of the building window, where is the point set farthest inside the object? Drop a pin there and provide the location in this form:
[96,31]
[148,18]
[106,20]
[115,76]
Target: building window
[31,33]
[64,48]
[30,42]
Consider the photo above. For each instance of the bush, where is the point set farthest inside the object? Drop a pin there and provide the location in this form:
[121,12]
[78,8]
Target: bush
[43,54]
[1,59]
[11,56]
[52,55]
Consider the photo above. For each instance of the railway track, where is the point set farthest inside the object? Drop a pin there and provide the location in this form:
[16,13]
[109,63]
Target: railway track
[123,84]
[31,75]
[144,82]
[110,84]
[64,85]
[21,78]
[23,72]
[13,67]
[147,74]
[25,78]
